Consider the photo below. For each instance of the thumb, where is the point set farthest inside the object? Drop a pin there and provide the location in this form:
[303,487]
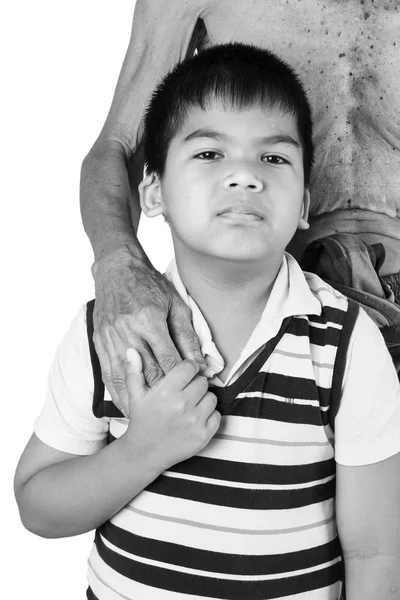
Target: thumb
[134,373]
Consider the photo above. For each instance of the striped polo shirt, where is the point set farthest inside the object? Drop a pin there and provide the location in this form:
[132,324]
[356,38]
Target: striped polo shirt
[251,516]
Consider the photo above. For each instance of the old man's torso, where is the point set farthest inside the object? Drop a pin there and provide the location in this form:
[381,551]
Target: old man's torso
[347,54]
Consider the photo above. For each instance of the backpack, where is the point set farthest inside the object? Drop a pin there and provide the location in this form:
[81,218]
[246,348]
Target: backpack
[352,266]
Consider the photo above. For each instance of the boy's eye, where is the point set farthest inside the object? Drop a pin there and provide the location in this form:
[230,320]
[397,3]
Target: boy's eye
[274,159]
[208,155]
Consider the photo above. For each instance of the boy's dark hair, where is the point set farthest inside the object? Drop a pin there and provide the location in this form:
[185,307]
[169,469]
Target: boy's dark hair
[239,75]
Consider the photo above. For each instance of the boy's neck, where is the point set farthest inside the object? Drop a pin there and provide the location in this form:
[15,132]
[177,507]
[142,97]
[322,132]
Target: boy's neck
[238,285]
[231,297]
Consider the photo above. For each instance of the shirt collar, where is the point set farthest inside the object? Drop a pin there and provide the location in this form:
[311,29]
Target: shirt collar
[290,295]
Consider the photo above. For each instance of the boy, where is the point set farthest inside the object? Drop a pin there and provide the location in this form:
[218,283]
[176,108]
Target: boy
[234,499]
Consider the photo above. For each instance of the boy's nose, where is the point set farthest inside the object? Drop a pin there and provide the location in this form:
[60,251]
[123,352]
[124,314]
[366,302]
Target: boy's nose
[243,179]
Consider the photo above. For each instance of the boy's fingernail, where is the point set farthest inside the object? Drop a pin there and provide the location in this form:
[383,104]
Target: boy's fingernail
[130,355]
[133,359]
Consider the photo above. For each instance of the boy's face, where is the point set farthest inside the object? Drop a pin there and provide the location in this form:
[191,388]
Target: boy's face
[233,185]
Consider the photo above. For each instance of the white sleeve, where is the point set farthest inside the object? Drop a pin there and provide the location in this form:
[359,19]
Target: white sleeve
[367,426]
[66,421]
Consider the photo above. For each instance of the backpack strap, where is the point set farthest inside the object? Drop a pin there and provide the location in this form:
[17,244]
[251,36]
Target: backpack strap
[350,318]
[100,407]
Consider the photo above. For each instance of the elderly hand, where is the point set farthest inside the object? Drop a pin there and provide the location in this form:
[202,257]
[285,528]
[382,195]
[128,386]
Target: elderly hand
[137,307]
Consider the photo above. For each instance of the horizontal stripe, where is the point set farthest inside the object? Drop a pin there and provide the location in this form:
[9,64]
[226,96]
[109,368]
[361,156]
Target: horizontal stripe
[262,405]
[320,336]
[218,562]
[190,529]
[104,591]
[222,449]
[213,587]
[325,325]
[242,521]
[329,314]
[103,586]
[255,473]
[240,484]
[302,345]
[268,442]
[293,354]
[283,364]
[298,356]
[270,430]
[308,370]
[268,396]
[257,530]
[101,541]
[285,385]
[251,499]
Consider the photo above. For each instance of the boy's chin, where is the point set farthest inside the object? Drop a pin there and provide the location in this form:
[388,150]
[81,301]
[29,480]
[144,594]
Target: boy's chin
[241,256]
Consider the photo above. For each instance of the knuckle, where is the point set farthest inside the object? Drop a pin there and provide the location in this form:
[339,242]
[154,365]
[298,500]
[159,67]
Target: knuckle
[167,362]
[191,337]
[119,362]
[105,332]
[184,310]
[185,330]
[152,375]
[217,417]
[149,313]
[122,324]
[190,366]
[97,339]
[163,394]
[201,384]
[212,397]
[107,378]
[192,420]
[118,382]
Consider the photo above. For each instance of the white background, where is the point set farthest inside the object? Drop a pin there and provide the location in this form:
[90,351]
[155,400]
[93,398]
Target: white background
[60,66]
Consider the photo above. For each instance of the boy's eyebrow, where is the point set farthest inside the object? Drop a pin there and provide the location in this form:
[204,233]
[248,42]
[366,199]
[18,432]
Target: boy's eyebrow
[206,133]
[279,138]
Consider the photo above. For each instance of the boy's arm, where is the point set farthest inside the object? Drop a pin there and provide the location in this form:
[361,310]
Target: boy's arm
[60,494]
[367,451]
[162,34]
[368,518]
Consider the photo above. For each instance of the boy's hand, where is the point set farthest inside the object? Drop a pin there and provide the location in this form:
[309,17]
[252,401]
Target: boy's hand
[173,420]
[137,307]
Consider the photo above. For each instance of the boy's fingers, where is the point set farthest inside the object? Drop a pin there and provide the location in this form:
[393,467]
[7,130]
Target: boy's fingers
[134,373]
[177,379]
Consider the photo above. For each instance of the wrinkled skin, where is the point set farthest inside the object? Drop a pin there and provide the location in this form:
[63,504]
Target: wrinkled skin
[347,55]
[142,320]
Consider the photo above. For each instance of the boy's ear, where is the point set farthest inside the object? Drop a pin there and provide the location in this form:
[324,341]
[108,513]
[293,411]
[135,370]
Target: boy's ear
[303,221]
[150,196]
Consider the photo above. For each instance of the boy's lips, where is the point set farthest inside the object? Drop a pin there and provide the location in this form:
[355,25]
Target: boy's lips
[241,209]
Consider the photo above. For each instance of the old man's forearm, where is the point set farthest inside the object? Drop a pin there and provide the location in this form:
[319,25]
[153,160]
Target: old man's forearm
[162,34]
[110,212]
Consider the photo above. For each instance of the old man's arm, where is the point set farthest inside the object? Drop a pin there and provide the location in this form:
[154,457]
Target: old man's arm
[135,305]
